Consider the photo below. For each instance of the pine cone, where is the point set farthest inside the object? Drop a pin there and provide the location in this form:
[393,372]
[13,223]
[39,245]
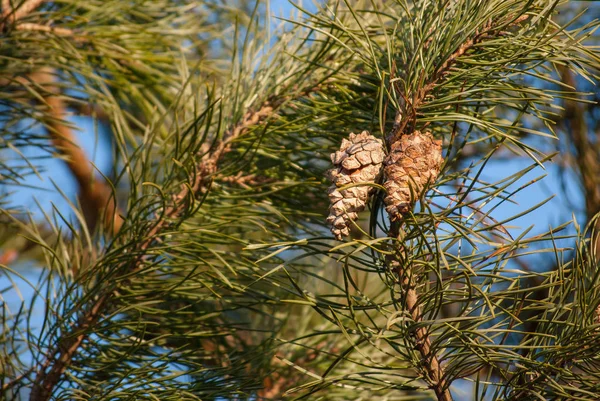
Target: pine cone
[413,162]
[358,161]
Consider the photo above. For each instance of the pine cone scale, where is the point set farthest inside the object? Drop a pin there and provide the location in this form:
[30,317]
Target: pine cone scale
[414,162]
[358,161]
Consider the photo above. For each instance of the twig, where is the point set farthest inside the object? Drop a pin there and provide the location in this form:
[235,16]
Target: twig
[27,26]
[15,381]
[59,358]
[26,7]
[488,30]
[587,157]
[245,181]
[96,196]
[13,16]
[434,372]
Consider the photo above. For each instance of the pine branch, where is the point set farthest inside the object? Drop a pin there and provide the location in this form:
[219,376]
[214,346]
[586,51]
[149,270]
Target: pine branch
[7,386]
[245,181]
[434,372]
[412,102]
[587,158]
[12,16]
[59,359]
[96,196]
[27,26]
[20,12]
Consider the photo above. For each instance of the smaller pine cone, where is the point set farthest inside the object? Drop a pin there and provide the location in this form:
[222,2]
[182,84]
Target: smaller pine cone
[358,161]
[413,162]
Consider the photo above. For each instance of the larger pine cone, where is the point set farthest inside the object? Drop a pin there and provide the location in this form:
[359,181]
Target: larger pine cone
[414,162]
[358,161]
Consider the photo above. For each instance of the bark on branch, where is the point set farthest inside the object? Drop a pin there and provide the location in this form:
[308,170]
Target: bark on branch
[405,118]
[587,156]
[29,26]
[96,196]
[433,371]
[15,14]
[11,16]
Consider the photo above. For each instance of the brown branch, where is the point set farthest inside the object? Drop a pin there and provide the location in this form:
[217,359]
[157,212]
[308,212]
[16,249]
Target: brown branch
[245,181]
[27,26]
[433,370]
[7,386]
[406,117]
[14,15]
[59,358]
[96,196]
[587,157]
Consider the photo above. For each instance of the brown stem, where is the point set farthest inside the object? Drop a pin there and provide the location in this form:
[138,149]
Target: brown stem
[587,157]
[13,15]
[95,195]
[28,26]
[412,102]
[432,369]
[59,358]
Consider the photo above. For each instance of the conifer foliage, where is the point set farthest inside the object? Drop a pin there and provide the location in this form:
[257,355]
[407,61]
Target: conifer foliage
[203,265]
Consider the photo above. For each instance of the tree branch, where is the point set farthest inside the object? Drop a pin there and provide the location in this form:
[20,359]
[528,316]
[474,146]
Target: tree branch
[412,102]
[27,26]
[405,116]
[433,370]
[96,196]
[587,158]
[13,15]
[59,358]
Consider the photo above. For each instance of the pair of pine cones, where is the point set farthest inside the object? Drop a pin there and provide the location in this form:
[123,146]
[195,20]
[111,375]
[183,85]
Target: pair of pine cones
[413,162]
